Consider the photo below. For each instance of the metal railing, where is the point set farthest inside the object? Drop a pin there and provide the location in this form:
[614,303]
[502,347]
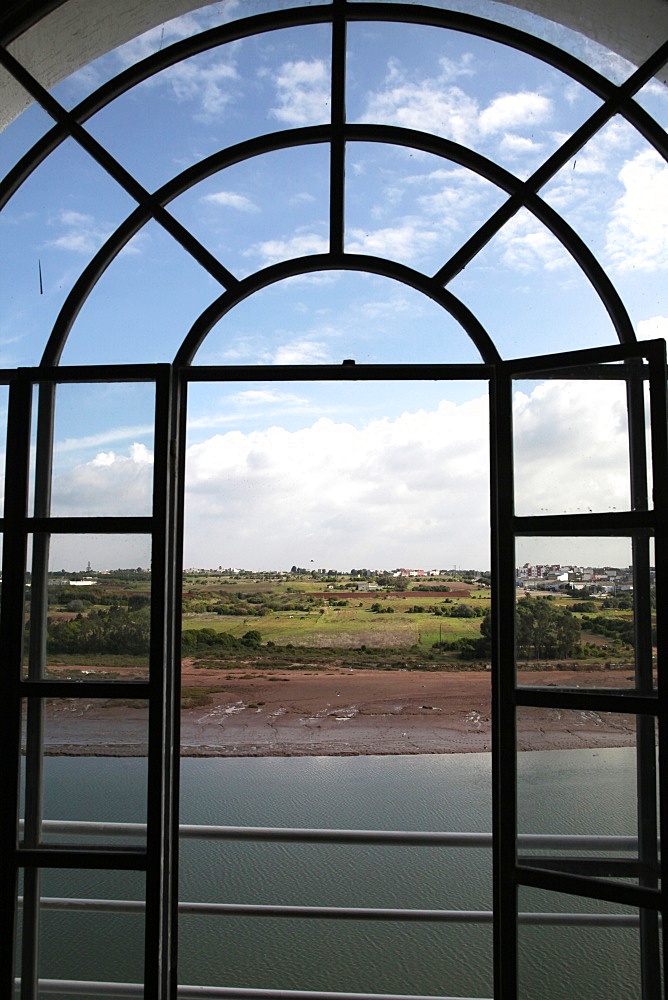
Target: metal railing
[526,842]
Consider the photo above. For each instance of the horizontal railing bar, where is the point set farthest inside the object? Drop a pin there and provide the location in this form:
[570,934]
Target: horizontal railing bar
[340,912]
[526,841]
[98,989]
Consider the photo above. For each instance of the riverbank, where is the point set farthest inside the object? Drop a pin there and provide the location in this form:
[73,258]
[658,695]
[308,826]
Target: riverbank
[334,712]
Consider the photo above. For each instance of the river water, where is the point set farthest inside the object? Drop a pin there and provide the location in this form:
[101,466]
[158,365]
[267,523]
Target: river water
[575,791]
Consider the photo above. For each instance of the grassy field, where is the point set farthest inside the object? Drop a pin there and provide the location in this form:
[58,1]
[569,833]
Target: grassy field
[317,613]
[343,627]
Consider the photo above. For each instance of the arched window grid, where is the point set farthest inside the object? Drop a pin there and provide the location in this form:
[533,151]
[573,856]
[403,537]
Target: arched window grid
[153,205]
[637,365]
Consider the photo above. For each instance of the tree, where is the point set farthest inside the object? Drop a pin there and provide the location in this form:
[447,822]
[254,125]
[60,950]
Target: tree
[544,632]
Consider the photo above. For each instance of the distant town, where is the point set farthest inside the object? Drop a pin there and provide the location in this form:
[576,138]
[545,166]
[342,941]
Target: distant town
[529,577]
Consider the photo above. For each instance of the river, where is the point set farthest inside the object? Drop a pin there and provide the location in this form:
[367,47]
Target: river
[574,791]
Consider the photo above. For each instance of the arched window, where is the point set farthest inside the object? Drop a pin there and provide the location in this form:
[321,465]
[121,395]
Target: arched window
[252,210]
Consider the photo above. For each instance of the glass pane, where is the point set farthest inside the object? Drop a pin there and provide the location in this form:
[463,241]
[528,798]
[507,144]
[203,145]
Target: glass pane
[465,89]
[93,616]
[270,208]
[592,792]
[216,99]
[523,284]
[594,960]
[64,213]
[609,193]
[382,956]
[607,63]
[91,753]
[19,136]
[327,317]
[417,209]
[571,446]
[576,622]
[142,306]
[654,99]
[74,937]
[103,450]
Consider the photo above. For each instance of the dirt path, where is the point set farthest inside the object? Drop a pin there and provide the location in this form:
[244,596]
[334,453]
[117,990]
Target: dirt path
[339,711]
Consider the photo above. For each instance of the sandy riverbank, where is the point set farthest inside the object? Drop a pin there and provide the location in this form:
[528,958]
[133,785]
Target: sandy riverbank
[341,712]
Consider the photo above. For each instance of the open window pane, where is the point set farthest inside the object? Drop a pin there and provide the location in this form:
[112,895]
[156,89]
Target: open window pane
[594,951]
[88,618]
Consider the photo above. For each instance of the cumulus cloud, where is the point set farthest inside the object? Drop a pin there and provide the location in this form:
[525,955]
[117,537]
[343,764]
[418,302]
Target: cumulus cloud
[510,111]
[81,233]
[637,234]
[408,490]
[298,245]
[376,493]
[526,245]
[435,104]
[231,199]
[571,447]
[111,483]
[425,105]
[207,85]
[302,352]
[404,242]
[303,93]
[653,328]
[519,145]
[455,195]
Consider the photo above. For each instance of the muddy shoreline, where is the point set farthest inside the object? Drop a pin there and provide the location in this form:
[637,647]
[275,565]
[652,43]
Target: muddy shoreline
[339,712]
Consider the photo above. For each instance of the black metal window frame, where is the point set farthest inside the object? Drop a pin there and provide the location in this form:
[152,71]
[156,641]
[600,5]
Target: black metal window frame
[160,859]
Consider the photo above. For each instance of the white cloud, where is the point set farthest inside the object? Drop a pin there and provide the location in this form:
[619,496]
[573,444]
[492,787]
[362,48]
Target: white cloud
[106,437]
[303,93]
[426,105]
[409,490]
[343,494]
[653,328]
[209,85]
[262,397]
[302,352]
[510,111]
[231,199]
[404,242]
[434,104]
[267,404]
[457,194]
[109,484]
[637,234]
[571,448]
[82,233]
[205,79]
[527,246]
[176,29]
[299,245]
[519,145]
[605,147]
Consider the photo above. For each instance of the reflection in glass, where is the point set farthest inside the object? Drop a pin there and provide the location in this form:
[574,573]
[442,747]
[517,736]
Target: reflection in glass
[88,618]
[91,752]
[103,449]
[74,938]
[560,962]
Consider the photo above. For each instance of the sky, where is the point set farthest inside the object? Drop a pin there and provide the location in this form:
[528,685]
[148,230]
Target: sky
[359,474]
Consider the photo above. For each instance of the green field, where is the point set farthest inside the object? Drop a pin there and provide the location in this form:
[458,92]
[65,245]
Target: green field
[343,627]
[263,617]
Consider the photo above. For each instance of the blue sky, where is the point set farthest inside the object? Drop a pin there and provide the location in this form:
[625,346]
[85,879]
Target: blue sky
[346,475]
